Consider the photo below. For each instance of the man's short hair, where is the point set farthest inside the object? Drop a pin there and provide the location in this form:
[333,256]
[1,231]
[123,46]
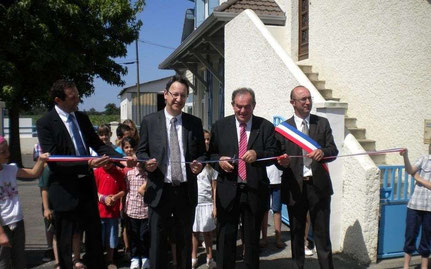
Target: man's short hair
[180,79]
[241,91]
[57,89]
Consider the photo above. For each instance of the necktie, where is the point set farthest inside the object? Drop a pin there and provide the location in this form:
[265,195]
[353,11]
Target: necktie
[307,161]
[76,136]
[176,171]
[242,171]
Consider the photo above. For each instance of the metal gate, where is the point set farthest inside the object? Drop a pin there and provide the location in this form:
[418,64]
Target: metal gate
[396,189]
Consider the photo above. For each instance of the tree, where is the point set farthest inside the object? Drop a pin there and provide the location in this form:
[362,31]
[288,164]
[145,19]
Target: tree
[112,109]
[42,41]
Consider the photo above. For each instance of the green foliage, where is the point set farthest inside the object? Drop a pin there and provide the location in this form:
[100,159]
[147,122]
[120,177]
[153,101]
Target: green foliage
[112,109]
[101,119]
[42,41]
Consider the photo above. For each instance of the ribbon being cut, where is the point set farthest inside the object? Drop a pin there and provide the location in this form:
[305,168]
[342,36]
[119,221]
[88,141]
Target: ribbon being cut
[285,129]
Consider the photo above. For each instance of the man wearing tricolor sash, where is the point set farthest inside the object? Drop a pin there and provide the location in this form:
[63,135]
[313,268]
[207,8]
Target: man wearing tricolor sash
[306,185]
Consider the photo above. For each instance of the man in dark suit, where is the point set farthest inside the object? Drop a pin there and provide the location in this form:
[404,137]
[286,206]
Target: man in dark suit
[243,187]
[72,191]
[169,138]
[306,185]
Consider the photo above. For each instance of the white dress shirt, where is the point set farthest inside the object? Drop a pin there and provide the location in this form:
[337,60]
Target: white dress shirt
[179,127]
[298,121]
[238,133]
[64,116]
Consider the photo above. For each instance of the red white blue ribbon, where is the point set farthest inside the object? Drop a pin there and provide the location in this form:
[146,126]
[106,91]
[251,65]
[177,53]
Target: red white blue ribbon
[300,139]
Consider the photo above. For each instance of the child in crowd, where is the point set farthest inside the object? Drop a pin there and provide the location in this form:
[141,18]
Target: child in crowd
[137,212]
[128,145]
[418,209]
[104,133]
[51,241]
[110,189]
[12,234]
[123,130]
[205,210]
[134,131]
[274,176]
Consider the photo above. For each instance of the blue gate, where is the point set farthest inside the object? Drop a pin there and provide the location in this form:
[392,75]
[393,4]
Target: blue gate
[397,187]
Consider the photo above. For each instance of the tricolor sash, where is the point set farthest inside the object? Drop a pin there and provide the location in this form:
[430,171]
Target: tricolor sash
[300,139]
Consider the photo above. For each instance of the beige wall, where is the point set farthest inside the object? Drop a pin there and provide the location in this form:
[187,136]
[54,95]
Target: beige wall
[376,56]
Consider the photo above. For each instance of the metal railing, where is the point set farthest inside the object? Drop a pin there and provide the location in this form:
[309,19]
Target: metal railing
[397,185]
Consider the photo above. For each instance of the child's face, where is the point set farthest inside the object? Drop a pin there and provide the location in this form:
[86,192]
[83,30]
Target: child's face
[126,134]
[128,150]
[207,137]
[105,137]
[4,152]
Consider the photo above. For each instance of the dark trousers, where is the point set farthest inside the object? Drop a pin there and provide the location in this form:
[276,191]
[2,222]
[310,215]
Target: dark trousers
[414,221]
[228,219]
[320,210]
[173,202]
[139,236]
[86,217]
[14,257]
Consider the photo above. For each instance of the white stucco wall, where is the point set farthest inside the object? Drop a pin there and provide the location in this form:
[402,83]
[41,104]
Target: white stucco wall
[360,203]
[263,65]
[376,56]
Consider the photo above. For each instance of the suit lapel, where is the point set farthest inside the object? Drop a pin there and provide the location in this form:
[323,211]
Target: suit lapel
[60,124]
[254,132]
[164,131]
[186,128]
[233,133]
[313,126]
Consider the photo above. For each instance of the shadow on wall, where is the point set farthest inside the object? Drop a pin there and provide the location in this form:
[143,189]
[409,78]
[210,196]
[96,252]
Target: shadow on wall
[354,244]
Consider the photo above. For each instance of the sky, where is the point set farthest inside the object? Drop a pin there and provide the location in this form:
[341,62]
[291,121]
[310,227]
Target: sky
[162,23]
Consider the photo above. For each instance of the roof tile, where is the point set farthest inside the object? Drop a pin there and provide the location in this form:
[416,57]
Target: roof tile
[260,7]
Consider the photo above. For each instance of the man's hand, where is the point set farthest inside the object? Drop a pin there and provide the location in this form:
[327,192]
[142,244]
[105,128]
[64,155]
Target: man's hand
[250,156]
[404,152]
[47,214]
[225,165]
[4,240]
[316,155]
[151,165]
[284,160]
[98,162]
[196,167]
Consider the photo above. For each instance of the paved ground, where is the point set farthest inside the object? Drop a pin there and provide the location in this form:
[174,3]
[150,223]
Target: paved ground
[270,257]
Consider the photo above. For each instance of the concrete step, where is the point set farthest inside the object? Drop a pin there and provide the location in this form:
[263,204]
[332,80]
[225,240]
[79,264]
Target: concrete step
[358,133]
[367,144]
[379,159]
[350,122]
[326,93]
[319,84]
[333,99]
[312,76]
[305,68]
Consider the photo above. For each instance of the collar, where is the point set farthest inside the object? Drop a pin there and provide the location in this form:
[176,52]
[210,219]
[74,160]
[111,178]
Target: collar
[247,125]
[169,117]
[63,115]
[300,120]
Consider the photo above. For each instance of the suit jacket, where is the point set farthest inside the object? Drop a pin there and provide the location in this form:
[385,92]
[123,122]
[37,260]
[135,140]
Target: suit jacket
[224,142]
[154,144]
[292,179]
[69,181]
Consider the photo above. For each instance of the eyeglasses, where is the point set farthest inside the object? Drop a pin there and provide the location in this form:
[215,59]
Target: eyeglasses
[303,100]
[176,95]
